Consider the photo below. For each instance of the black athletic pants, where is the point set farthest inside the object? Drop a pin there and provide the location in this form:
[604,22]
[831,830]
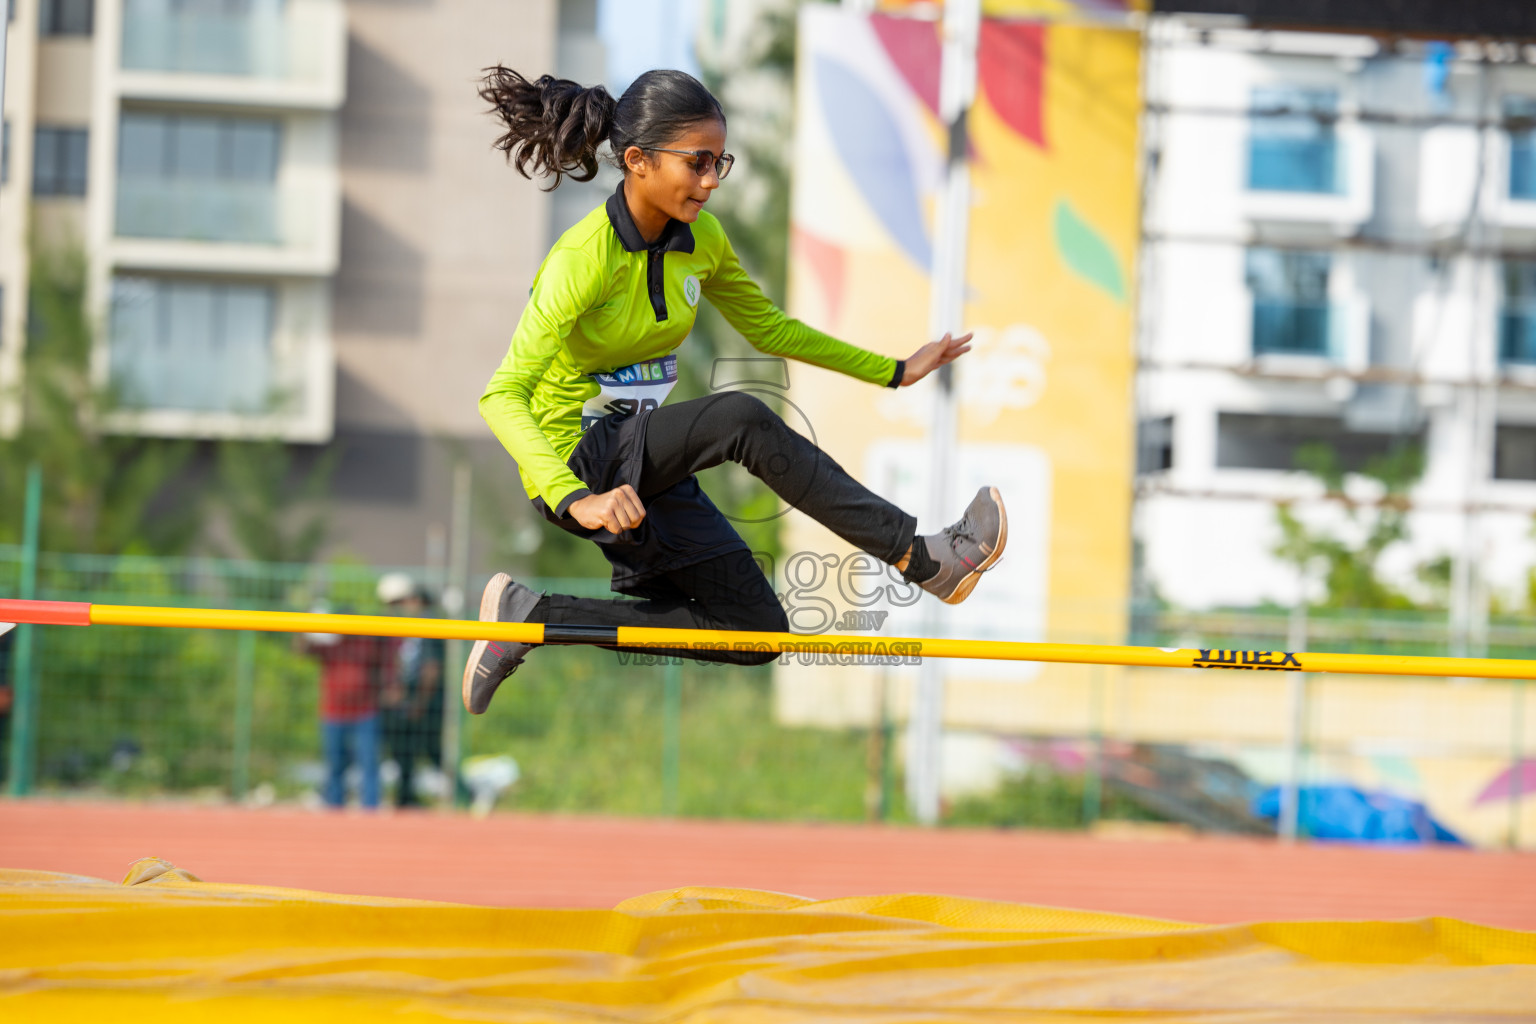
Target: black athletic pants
[730,591]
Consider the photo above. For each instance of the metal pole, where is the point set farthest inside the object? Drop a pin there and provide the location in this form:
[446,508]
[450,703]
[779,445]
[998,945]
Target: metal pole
[1093,783]
[671,734]
[1516,759]
[887,742]
[1296,703]
[884,778]
[24,706]
[245,699]
[1478,407]
[5,26]
[875,751]
[946,311]
[455,748]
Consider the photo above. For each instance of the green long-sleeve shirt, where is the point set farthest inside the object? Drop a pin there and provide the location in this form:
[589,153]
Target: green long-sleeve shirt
[605,312]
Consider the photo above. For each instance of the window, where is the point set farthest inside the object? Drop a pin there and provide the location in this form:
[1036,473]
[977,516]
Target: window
[1517,320]
[1290,301]
[66,17]
[1520,114]
[192,345]
[1154,445]
[212,37]
[198,177]
[58,162]
[190,146]
[1249,441]
[1514,452]
[1292,146]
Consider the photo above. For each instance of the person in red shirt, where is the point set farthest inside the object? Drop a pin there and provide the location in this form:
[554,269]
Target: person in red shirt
[353,671]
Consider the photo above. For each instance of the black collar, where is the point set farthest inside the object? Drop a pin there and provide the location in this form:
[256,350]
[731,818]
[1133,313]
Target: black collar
[675,237]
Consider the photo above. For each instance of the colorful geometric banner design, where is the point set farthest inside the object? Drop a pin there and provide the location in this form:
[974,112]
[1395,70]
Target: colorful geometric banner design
[1045,404]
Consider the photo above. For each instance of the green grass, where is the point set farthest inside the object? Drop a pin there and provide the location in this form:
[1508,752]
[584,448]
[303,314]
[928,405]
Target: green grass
[588,735]
[587,731]
[1042,799]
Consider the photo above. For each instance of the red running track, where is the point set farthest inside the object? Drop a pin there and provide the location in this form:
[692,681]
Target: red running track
[546,861]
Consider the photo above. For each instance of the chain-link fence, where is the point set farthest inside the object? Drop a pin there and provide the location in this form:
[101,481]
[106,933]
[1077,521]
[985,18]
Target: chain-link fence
[259,717]
[263,717]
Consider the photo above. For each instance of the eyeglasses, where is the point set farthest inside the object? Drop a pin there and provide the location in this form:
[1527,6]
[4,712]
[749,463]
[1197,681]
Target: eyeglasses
[703,160]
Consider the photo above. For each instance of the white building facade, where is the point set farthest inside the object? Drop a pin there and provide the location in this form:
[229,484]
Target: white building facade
[190,151]
[295,227]
[213,212]
[1341,249]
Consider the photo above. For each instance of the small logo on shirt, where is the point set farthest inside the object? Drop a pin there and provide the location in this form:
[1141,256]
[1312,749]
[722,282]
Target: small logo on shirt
[691,290]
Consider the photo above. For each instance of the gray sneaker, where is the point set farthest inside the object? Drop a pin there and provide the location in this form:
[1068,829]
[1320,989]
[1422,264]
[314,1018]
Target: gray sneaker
[968,548]
[503,600]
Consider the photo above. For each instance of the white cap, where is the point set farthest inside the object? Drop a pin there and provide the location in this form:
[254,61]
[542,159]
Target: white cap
[395,586]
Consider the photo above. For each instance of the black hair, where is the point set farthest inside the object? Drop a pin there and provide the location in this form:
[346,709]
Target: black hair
[555,126]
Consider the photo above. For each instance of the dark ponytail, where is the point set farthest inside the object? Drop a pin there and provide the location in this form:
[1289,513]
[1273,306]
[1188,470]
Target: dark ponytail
[554,126]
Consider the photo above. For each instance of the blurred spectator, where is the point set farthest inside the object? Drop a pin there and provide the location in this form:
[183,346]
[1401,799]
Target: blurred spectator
[353,672]
[413,704]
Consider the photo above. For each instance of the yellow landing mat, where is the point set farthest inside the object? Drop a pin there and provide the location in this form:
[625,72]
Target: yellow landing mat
[165,947]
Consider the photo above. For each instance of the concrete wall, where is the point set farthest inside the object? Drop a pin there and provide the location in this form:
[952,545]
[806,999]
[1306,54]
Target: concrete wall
[439,244]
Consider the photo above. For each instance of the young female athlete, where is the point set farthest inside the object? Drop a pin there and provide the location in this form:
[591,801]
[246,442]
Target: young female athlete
[578,399]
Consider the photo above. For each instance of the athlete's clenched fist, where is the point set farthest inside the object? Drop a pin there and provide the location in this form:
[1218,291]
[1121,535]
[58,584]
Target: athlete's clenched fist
[615,510]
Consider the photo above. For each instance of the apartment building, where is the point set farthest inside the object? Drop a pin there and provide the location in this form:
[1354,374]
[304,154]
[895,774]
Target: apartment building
[295,224]
[1340,248]
[191,149]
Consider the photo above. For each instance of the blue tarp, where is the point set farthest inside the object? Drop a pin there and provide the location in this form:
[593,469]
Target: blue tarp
[1345,812]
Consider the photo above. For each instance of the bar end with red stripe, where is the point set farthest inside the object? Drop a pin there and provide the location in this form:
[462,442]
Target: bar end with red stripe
[46,613]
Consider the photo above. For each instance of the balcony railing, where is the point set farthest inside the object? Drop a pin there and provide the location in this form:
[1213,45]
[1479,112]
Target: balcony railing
[282,42]
[215,355]
[1517,334]
[1292,328]
[193,356]
[1295,165]
[197,345]
[199,211]
[253,43]
[222,379]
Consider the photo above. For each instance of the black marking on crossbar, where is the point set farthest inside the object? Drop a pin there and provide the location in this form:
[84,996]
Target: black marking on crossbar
[1262,661]
[581,634]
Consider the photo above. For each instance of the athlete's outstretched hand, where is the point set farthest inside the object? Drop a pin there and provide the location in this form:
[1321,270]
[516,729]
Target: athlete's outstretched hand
[934,355]
[615,510]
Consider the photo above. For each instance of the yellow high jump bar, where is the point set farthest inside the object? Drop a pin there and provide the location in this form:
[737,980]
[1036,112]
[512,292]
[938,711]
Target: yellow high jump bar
[838,647]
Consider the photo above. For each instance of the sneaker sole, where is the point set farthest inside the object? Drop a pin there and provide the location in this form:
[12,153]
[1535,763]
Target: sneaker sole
[490,608]
[965,586]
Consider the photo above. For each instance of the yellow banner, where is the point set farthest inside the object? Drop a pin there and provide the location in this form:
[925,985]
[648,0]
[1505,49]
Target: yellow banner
[1044,397]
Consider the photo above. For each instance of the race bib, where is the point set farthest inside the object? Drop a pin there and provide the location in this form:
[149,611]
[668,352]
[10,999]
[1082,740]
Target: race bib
[630,389]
